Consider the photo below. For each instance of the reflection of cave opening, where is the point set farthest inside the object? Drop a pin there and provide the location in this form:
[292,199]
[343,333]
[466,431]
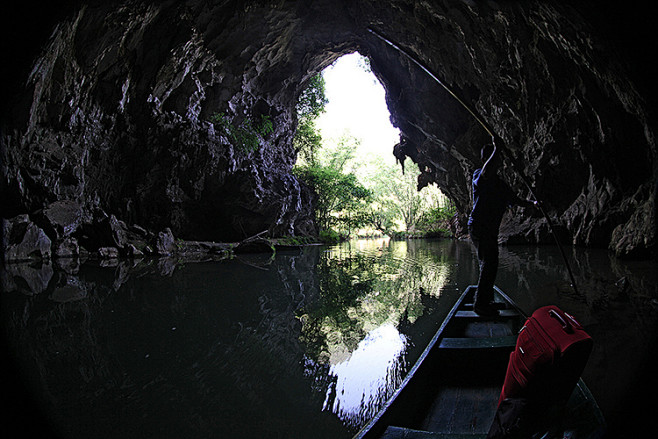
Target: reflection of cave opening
[368,376]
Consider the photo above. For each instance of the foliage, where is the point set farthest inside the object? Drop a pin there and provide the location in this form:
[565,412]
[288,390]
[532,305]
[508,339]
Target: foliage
[330,236]
[246,136]
[409,202]
[342,199]
[339,293]
[307,140]
[381,215]
[358,292]
[339,154]
[437,219]
[339,196]
[312,101]
[397,199]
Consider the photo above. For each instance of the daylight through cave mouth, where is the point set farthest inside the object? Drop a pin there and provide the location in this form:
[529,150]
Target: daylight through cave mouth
[355,137]
[356,106]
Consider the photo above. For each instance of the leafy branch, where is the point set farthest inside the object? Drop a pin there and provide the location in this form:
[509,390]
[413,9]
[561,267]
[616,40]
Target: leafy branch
[246,137]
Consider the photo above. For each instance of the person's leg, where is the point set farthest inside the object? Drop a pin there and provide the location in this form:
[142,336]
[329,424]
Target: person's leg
[487,248]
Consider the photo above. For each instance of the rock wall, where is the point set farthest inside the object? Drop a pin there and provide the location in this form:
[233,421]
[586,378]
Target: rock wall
[118,124]
[572,122]
[116,116]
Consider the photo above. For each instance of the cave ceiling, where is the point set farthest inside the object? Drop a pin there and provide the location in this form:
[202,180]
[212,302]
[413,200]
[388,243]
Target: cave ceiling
[114,101]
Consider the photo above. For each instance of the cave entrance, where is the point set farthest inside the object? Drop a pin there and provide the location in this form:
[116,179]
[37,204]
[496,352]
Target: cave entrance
[357,108]
[354,141]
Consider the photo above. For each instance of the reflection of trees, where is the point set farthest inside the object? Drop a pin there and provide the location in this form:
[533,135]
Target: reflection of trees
[341,286]
[360,292]
[200,348]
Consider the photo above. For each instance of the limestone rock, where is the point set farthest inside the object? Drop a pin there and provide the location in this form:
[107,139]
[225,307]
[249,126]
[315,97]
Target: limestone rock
[67,248]
[26,278]
[133,252]
[633,238]
[103,231]
[61,218]
[25,241]
[117,114]
[165,245]
[114,231]
[108,252]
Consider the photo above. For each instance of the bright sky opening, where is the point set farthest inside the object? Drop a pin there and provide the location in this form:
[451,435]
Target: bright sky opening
[357,106]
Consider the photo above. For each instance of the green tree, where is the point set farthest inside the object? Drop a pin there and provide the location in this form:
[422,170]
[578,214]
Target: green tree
[397,199]
[354,193]
[340,196]
[312,100]
[340,153]
[381,215]
[342,199]
[436,220]
[307,140]
[409,201]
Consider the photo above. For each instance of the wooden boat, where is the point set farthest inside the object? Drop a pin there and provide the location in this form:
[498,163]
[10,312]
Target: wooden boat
[452,391]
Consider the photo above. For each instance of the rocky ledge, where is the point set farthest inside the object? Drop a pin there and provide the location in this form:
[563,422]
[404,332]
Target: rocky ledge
[63,230]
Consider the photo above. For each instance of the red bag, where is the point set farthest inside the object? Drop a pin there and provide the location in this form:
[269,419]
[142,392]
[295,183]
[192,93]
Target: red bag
[550,355]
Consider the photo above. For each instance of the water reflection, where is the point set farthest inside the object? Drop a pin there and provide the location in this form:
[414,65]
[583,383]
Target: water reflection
[365,379]
[369,293]
[304,345]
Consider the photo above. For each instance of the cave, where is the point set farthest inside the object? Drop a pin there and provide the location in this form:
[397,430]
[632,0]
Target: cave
[109,107]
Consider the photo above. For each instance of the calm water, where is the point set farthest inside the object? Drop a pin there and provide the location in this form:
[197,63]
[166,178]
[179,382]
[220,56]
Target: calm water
[295,346]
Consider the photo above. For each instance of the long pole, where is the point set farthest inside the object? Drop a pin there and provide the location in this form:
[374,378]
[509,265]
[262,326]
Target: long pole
[495,138]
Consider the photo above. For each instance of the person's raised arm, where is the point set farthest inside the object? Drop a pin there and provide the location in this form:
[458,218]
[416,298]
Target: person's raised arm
[491,165]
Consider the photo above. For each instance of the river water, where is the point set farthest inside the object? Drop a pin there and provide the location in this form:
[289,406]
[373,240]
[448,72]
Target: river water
[303,344]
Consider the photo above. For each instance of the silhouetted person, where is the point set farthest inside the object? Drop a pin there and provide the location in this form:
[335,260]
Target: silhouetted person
[491,197]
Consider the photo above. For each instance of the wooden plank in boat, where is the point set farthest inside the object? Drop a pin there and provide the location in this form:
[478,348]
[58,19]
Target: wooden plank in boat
[407,433]
[507,341]
[503,313]
[487,328]
[463,410]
